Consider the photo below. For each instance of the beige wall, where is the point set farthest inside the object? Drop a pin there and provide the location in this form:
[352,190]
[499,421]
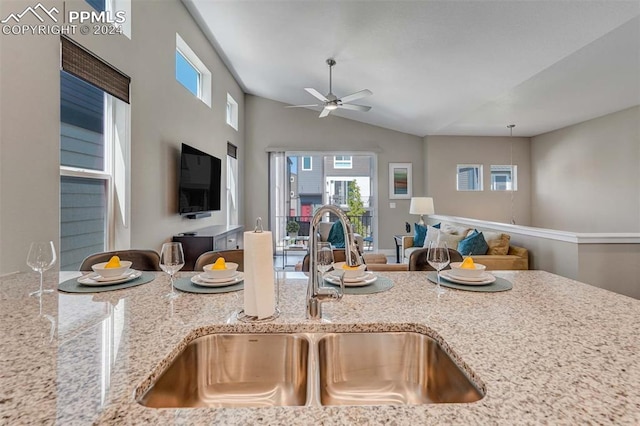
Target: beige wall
[444,153]
[163,115]
[586,177]
[269,124]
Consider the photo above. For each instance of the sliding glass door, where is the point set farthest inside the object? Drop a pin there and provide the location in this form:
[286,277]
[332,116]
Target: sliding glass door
[300,182]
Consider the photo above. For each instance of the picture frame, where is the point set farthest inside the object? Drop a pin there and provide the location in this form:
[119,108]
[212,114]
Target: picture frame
[400,181]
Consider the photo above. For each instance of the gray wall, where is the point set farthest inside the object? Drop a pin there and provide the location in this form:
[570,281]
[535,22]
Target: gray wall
[269,124]
[586,177]
[444,153]
[163,114]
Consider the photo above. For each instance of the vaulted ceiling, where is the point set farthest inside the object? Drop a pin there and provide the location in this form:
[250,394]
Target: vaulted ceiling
[437,67]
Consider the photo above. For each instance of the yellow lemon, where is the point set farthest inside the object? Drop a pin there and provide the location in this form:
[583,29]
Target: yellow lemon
[468,263]
[114,262]
[220,264]
[345,266]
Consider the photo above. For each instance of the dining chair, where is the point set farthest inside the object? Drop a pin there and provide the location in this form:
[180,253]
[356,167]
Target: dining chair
[141,260]
[338,256]
[418,260]
[235,256]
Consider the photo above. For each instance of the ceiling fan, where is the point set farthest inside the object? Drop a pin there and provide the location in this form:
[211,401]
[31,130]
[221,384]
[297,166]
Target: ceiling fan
[331,102]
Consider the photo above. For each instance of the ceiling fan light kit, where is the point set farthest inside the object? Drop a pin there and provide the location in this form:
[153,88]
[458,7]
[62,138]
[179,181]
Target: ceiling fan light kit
[331,102]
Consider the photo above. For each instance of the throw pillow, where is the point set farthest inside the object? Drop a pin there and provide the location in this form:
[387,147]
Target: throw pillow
[499,246]
[474,244]
[452,229]
[489,235]
[452,240]
[433,234]
[336,235]
[419,233]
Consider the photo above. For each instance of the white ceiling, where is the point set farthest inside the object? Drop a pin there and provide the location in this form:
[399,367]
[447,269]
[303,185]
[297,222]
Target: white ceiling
[437,67]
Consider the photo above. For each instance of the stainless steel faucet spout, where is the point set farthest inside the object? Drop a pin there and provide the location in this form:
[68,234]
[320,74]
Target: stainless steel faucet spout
[316,293]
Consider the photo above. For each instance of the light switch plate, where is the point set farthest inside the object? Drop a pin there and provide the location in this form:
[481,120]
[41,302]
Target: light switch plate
[392,205]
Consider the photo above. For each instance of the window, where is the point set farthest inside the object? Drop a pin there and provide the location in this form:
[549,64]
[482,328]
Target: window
[307,164]
[118,13]
[191,72]
[469,177]
[94,155]
[342,162]
[232,112]
[504,178]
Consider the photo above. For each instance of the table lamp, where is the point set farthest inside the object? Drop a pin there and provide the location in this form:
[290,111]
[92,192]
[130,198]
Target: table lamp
[421,206]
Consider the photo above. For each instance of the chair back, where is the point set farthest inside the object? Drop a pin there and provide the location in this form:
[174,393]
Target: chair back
[235,256]
[141,260]
[338,256]
[418,260]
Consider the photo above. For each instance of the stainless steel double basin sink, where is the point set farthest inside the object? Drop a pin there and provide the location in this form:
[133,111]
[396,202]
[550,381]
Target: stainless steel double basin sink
[312,369]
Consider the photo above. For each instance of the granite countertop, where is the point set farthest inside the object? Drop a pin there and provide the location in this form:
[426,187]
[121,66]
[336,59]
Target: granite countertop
[549,351]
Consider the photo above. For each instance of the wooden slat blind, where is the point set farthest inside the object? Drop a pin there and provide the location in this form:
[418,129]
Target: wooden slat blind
[83,64]
[232,150]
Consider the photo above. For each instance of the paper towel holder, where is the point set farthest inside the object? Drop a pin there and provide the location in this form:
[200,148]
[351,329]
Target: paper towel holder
[242,316]
[258,227]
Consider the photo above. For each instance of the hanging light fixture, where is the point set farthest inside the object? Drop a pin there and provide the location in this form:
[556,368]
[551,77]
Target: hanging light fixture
[510,127]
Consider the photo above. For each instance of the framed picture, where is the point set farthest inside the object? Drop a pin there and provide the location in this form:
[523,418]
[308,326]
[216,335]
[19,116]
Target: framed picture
[400,185]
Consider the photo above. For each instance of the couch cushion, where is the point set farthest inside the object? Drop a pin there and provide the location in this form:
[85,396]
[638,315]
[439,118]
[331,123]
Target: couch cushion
[473,244]
[455,230]
[499,246]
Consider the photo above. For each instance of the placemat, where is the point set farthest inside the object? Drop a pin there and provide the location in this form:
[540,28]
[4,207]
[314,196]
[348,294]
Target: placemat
[500,284]
[73,286]
[379,285]
[185,284]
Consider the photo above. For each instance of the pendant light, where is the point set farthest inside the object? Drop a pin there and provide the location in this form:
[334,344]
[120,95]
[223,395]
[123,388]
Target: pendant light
[510,127]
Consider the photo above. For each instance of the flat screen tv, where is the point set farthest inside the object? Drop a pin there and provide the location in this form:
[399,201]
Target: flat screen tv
[200,182]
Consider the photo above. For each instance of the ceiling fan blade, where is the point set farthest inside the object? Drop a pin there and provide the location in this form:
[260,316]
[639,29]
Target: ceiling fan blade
[357,95]
[324,112]
[355,107]
[301,106]
[316,94]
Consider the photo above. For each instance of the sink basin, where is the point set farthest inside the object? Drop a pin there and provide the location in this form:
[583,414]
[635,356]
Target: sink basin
[309,369]
[234,370]
[387,369]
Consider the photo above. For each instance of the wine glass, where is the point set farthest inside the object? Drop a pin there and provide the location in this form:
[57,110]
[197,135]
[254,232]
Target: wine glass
[42,256]
[438,258]
[324,258]
[171,261]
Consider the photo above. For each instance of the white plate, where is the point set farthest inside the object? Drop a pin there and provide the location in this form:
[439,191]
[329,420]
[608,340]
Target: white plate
[102,279]
[369,277]
[94,279]
[209,282]
[487,278]
[452,273]
[202,277]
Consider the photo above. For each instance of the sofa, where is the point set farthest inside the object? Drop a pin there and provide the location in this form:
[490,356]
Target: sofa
[501,255]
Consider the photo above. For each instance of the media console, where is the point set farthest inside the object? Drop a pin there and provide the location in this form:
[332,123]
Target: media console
[217,237]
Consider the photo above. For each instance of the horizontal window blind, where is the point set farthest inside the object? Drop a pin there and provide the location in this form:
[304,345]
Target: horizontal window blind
[83,64]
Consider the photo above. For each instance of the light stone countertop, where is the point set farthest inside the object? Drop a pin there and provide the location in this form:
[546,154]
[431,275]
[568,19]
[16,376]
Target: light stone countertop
[549,351]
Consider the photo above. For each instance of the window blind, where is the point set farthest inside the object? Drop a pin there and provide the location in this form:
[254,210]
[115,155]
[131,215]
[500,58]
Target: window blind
[83,64]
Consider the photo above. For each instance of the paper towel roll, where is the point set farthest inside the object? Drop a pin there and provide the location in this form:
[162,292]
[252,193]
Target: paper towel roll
[259,295]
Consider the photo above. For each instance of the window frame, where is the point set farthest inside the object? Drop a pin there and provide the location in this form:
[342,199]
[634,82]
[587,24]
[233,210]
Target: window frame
[343,163]
[512,173]
[204,84]
[303,168]
[480,176]
[232,112]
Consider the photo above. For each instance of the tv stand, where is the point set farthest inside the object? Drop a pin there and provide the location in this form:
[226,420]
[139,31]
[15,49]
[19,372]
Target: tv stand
[217,237]
[198,215]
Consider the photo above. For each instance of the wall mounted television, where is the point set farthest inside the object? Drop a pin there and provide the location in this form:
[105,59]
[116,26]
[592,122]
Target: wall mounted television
[200,183]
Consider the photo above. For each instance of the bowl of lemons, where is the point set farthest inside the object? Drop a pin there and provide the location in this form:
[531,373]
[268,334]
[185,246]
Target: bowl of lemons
[220,269]
[467,268]
[350,272]
[113,268]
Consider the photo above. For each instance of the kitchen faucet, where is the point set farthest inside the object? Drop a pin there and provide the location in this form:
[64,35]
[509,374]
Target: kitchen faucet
[316,293]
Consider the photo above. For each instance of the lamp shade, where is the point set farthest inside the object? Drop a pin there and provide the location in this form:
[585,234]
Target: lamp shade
[421,205]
